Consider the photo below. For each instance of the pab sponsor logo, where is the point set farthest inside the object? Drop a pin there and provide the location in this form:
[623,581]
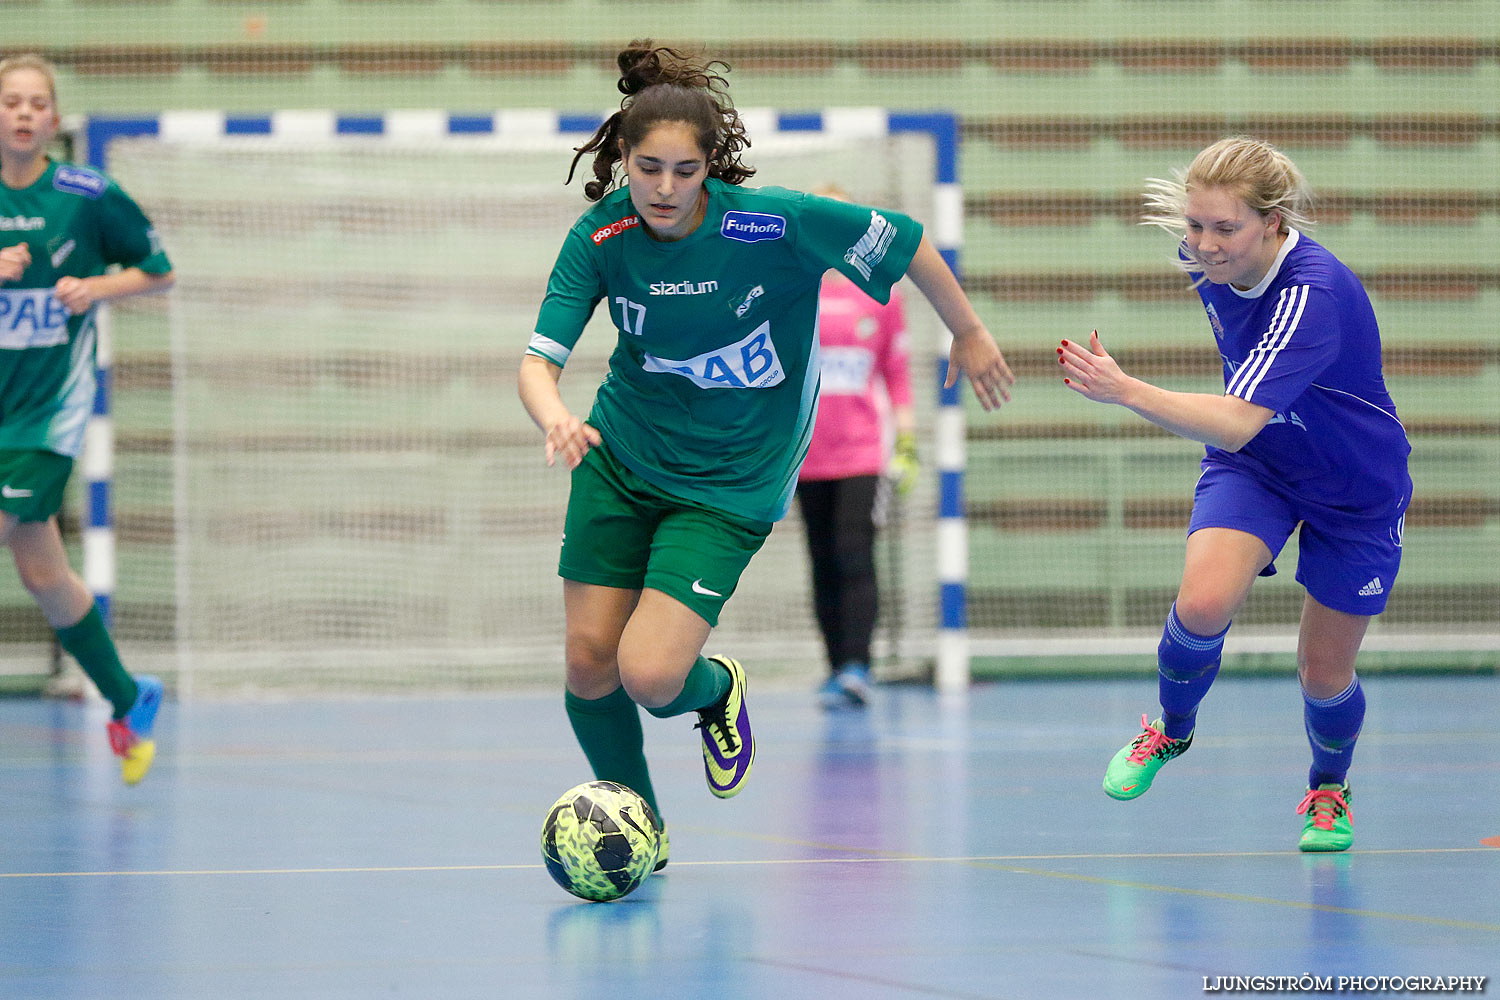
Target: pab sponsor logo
[752,227]
[749,363]
[31,317]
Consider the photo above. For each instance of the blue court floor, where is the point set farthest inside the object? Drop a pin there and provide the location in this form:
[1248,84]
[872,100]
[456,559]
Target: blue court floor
[925,848]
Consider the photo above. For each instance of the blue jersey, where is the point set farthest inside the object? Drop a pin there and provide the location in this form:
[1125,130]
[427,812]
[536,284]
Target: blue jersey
[1304,343]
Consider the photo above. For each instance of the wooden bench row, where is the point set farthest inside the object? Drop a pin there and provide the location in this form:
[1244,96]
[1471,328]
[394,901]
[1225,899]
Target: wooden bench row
[1009,607]
[1450,284]
[1333,207]
[1031,56]
[359,214]
[1196,131]
[1419,605]
[1411,284]
[1055,514]
[1051,514]
[142,372]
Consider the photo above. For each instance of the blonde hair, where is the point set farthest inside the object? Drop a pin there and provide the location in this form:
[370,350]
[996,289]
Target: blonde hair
[1255,171]
[30,60]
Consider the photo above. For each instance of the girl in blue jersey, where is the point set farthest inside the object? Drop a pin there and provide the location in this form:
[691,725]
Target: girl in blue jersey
[63,229]
[1304,433]
[691,450]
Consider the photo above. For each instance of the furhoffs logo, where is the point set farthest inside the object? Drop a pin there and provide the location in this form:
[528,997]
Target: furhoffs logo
[615,228]
[752,227]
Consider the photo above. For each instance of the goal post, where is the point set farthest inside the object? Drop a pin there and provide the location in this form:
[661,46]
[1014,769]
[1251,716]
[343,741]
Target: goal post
[322,474]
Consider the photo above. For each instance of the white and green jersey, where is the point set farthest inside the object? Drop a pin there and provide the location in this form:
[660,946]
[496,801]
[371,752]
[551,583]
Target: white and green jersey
[713,384]
[76,223]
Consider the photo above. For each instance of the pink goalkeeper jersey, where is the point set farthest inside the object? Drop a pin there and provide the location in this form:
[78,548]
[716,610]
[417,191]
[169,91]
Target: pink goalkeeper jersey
[862,345]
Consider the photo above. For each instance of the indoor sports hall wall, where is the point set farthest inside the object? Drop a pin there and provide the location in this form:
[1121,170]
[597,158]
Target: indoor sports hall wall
[1392,109]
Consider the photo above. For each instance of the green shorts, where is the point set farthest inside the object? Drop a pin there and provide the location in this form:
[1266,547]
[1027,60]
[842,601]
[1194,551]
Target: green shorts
[31,483]
[621,531]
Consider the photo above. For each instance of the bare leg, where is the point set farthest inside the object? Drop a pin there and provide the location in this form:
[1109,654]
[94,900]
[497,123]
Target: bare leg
[42,563]
[660,645]
[1220,567]
[1327,644]
[596,618]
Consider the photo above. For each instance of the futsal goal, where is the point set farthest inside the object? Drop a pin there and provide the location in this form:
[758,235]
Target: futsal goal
[322,476]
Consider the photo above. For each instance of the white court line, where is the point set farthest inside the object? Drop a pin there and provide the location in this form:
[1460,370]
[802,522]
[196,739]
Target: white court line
[889,859]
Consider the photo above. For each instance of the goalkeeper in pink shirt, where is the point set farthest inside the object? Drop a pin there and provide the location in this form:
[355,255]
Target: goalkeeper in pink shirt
[842,490]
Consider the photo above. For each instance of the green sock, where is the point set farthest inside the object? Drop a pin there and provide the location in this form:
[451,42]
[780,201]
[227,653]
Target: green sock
[609,731]
[89,643]
[707,683]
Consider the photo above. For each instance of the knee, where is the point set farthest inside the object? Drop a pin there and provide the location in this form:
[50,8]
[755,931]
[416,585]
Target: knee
[1323,676]
[1204,612]
[593,670]
[648,683]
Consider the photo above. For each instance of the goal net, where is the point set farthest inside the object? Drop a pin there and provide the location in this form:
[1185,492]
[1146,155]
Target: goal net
[324,476]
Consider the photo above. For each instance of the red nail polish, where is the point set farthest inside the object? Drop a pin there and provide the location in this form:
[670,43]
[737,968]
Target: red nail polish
[1067,381]
[1065,343]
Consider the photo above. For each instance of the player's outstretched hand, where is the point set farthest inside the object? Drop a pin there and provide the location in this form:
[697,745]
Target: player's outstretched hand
[978,356]
[570,439]
[14,260]
[1091,372]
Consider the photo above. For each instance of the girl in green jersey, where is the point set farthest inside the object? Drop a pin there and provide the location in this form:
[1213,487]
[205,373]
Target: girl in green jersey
[60,228]
[691,450]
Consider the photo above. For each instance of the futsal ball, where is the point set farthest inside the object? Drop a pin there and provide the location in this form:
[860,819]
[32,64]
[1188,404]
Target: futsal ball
[600,840]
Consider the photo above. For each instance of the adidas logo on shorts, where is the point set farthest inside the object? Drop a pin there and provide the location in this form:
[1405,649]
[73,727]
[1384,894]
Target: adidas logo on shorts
[1372,589]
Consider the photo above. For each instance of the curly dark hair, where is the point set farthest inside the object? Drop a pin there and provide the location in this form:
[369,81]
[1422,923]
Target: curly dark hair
[663,85]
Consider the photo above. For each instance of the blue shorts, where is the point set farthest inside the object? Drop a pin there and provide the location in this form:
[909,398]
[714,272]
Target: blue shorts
[1346,564]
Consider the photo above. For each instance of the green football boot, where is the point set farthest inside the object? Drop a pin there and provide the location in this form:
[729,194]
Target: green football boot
[1131,771]
[1329,825]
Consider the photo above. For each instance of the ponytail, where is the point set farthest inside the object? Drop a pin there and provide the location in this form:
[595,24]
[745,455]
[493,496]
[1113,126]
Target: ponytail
[663,85]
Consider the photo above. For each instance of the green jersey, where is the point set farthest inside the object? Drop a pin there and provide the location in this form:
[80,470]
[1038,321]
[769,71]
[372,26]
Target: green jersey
[713,382]
[76,223]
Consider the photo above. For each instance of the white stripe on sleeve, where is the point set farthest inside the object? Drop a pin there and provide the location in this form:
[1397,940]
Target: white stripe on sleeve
[549,350]
[1284,322]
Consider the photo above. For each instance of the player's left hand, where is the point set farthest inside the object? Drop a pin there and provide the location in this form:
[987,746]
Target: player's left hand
[1091,372]
[978,356]
[75,294]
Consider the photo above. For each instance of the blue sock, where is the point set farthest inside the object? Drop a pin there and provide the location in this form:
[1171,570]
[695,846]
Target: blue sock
[1333,725]
[1186,665]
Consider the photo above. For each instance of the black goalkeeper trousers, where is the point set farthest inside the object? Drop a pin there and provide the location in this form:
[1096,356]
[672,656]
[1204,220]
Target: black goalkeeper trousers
[840,519]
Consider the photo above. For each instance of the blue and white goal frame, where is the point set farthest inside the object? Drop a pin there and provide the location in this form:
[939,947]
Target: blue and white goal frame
[945,231]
